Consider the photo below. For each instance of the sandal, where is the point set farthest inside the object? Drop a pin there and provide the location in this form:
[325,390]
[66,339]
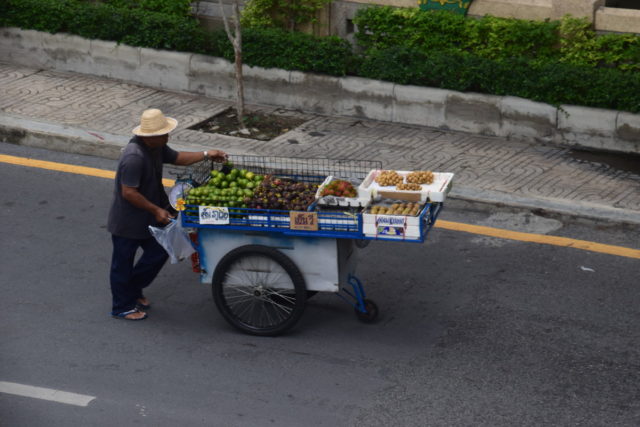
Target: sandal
[124,315]
[142,306]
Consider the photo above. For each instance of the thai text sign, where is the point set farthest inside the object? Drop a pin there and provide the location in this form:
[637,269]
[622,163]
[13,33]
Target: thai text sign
[300,220]
[213,215]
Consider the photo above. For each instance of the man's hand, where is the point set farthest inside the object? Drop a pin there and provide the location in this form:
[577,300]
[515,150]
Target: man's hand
[218,156]
[133,196]
[162,216]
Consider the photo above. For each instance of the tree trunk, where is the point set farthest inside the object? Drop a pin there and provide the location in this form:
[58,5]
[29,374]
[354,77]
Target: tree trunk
[236,42]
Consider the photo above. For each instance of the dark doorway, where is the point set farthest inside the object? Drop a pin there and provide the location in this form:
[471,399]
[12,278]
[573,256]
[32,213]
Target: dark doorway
[623,4]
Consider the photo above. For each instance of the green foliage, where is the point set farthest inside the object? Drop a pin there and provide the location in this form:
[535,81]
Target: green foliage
[570,40]
[554,83]
[276,48]
[43,15]
[497,38]
[554,62]
[580,45]
[285,14]
[490,37]
[96,20]
[169,7]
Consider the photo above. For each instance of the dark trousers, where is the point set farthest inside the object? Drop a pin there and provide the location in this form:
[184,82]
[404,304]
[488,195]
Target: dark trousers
[128,280]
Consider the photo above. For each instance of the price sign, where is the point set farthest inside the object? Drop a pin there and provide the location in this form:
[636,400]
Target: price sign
[213,215]
[300,220]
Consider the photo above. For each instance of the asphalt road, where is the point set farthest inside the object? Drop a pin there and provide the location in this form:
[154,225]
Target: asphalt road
[473,330]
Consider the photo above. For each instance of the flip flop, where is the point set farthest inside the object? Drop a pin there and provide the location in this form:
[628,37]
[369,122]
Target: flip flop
[142,306]
[124,315]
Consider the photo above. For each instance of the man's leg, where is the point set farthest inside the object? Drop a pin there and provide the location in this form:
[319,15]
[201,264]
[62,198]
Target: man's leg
[149,264]
[123,291]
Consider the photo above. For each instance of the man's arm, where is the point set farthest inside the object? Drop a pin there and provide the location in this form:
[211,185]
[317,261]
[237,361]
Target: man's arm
[186,158]
[133,196]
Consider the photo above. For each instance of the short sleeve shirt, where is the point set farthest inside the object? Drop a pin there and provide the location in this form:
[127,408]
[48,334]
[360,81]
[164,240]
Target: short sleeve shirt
[140,167]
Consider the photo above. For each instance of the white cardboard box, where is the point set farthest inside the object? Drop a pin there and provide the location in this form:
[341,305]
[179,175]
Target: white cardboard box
[363,198]
[400,227]
[434,192]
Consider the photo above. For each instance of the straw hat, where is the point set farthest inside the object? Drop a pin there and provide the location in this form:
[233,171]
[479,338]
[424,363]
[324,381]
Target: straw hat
[154,123]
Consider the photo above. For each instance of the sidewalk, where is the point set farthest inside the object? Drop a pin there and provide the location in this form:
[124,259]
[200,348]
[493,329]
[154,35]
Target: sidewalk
[94,116]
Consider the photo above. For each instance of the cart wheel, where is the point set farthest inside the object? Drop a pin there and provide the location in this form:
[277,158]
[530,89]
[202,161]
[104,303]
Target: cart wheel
[372,312]
[259,290]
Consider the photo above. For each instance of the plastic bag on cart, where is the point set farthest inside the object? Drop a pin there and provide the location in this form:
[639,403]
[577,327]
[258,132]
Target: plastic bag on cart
[174,240]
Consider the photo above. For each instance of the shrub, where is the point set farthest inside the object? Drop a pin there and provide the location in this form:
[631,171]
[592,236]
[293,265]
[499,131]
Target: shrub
[272,47]
[43,15]
[490,37]
[553,83]
[167,7]
[283,14]
[570,40]
[557,63]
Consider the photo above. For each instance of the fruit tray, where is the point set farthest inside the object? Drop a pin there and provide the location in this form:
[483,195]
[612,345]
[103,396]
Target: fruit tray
[434,192]
[362,198]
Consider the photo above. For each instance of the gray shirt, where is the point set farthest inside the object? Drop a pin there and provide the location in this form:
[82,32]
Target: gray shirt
[141,167]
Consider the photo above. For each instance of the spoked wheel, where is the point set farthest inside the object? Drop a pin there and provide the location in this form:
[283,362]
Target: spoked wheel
[372,312]
[259,290]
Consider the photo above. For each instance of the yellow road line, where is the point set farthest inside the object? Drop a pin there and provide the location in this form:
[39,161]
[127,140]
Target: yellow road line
[449,225]
[540,238]
[63,167]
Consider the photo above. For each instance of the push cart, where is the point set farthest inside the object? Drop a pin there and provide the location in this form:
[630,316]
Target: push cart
[264,263]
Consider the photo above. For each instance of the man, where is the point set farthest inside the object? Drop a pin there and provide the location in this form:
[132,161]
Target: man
[139,201]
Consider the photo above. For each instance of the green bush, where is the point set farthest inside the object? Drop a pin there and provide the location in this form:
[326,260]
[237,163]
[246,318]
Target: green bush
[133,26]
[43,15]
[557,63]
[570,40]
[167,7]
[276,48]
[580,45]
[283,14]
[553,83]
[489,37]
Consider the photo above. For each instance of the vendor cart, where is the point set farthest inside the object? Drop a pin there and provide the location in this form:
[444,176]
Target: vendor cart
[264,263]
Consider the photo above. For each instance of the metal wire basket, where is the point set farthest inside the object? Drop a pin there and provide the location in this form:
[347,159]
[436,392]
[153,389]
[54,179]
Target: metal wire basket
[299,169]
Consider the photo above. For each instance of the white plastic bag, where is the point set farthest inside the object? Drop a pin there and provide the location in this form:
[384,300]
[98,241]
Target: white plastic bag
[174,240]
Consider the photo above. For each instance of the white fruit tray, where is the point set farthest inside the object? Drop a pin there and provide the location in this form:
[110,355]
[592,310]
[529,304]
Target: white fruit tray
[434,192]
[361,200]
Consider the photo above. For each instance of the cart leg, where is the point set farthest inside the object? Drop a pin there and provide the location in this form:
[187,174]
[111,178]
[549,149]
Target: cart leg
[365,309]
[358,290]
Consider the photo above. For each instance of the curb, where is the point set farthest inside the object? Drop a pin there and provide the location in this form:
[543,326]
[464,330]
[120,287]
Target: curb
[67,139]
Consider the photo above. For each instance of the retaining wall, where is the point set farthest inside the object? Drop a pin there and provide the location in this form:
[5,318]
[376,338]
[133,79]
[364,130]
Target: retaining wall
[344,96]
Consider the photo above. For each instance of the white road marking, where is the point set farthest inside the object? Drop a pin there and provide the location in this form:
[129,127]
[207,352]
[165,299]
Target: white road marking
[45,394]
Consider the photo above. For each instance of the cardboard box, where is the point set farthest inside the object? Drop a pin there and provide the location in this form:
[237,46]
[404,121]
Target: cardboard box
[361,200]
[434,192]
[395,227]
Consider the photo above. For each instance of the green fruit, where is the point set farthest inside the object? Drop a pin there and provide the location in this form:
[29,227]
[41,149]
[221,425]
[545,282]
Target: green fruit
[224,184]
[250,175]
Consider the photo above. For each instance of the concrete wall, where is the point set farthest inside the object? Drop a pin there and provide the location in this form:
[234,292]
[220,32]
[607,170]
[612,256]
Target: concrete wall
[321,94]
[618,20]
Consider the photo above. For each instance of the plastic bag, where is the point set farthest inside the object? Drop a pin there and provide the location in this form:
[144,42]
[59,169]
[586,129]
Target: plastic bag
[174,240]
